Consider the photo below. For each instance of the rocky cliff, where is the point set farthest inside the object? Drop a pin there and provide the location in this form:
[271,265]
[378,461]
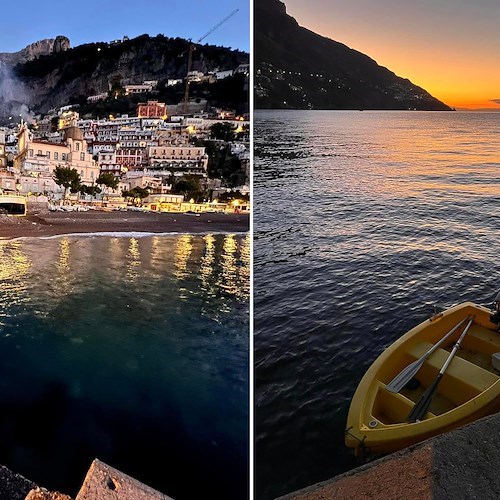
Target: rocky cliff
[36,49]
[296,68]
[70,75]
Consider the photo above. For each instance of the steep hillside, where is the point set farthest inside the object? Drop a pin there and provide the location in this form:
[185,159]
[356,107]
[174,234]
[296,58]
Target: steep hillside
[60,78]
[296,68]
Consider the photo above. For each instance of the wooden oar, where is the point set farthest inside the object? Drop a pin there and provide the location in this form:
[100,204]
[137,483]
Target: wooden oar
[407,373]
[422,405]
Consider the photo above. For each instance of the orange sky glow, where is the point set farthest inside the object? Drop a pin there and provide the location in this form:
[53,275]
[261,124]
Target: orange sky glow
[447,47]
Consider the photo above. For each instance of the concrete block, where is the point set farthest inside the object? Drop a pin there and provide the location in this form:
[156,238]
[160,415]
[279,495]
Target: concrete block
[104,482]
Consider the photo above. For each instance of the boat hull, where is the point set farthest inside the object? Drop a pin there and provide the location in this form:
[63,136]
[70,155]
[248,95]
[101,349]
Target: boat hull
[470,387]
[12,205]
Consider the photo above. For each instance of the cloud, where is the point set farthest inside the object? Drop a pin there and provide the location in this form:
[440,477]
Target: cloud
[496,101]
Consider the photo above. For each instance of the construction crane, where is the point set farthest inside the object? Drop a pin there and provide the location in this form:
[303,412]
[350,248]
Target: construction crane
[192,48]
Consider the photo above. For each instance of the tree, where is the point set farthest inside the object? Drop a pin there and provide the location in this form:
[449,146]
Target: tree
[137,192]
[68,178]
[189,186]
[91,190]
[108,180]
[223,131]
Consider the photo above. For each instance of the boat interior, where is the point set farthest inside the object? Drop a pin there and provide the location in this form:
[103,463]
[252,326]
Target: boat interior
[470,373]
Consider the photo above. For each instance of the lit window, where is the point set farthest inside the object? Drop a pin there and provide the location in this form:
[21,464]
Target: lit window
[56,156]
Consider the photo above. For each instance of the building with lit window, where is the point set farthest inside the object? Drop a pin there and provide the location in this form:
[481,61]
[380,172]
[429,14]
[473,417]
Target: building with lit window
[178,160]
[152,109]
[36,161]
[140,88]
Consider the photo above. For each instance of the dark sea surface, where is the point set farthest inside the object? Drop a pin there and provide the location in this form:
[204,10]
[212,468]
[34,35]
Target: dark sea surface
[363,221]
[130,349]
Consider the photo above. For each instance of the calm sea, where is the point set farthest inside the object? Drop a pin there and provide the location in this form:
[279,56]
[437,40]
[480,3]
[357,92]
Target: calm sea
[363,221]
[130,349]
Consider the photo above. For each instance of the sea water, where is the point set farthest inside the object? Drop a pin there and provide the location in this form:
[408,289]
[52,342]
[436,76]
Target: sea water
[363,221]
[130,349]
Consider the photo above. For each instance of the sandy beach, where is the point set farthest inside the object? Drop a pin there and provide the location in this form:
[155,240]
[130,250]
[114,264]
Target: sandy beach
[47,223]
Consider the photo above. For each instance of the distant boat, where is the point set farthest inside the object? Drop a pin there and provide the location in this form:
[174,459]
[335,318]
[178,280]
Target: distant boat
[440,375]
[12,204]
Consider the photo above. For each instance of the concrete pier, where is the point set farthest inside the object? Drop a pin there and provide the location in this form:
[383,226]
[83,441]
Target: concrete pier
[462,464]
[102,482]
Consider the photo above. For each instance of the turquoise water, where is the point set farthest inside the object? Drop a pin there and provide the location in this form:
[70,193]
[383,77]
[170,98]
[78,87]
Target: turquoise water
[130,349]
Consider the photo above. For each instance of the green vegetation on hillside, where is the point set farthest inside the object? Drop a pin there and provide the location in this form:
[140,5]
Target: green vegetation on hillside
[70,77]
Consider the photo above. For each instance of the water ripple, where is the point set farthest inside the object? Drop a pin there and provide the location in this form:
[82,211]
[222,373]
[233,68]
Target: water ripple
[362,222]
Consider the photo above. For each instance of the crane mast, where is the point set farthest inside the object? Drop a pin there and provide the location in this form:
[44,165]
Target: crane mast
[192,47]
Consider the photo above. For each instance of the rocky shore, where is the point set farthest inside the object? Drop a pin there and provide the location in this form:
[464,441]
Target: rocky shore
[45,223]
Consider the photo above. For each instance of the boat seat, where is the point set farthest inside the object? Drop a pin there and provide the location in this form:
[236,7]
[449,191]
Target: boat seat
[475,377]
[393,407]
[479,337]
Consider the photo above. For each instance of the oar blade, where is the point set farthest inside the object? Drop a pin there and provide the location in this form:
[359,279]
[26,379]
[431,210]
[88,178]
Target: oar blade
[422,406]
[404,376]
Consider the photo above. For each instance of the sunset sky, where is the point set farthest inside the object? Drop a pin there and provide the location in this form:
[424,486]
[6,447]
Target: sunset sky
[451,48]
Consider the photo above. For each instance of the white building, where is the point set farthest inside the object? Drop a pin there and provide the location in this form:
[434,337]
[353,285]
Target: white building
[220,75]
[178,157]
[140,88]
[242,68]
[173,81]
[97,97]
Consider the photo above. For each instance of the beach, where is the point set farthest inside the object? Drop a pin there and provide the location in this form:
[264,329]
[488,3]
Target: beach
[45,223]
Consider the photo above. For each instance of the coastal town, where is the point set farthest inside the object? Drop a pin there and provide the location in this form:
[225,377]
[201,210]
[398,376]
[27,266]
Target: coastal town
[152,159]
[189,157]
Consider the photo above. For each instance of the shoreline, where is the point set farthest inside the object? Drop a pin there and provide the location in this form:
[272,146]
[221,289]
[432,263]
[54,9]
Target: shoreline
[47,224]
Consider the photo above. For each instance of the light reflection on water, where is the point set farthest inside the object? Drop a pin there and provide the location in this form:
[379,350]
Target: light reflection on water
[96,324]
[362,221]
[134,260]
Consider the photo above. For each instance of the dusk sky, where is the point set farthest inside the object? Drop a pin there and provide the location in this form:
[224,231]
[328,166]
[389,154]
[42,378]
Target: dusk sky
[451,48]
[105,20]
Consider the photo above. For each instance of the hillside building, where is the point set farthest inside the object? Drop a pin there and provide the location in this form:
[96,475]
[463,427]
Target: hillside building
[141,88]
[178,160]
[152,109]
[36,161]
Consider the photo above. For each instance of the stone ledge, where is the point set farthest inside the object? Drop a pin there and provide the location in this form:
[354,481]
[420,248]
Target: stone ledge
[461,464]
[102,482]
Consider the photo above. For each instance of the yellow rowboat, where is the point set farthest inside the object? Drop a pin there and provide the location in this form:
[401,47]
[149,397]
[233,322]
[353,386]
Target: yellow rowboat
[440,375]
